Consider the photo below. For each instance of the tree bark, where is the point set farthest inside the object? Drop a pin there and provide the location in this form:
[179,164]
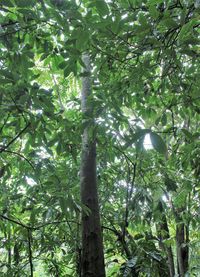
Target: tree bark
[92,262]
[163,234]
[9,251]
[182,249]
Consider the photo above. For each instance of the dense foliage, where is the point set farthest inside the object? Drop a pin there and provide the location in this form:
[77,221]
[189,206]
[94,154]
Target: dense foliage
[146,81]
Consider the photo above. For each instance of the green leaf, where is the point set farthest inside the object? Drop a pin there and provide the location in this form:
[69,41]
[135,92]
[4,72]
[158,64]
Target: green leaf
[153,2]
[102,7]
[153,11]
[128,266]
[186,29]
[157,121]
[63,205]
[180,198]
[63,64]
[187,133]
[25,3]
[138,135]
[82,39]
[164,119]
[169,23]
[158,143]
[132,262]
[156,256]
[68,70]
[6,74]
[6,3]
[170,184]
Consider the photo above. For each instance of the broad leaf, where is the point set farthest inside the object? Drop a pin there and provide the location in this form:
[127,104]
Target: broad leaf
[158,143]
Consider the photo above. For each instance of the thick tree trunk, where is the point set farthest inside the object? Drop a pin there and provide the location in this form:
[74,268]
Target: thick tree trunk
[92,245]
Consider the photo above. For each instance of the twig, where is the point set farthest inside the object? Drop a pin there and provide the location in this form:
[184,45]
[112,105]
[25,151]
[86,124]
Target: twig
[4,123]
[20,155]
[2,149]
[14,221]
[36,227]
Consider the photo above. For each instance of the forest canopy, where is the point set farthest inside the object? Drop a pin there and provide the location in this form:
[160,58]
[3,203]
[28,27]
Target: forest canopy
[99,138]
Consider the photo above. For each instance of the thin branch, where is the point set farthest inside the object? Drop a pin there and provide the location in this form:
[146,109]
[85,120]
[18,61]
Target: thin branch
[2,149]
[126,157]
[36,227]
[14,221]
[21,156]
[4,123]
[26,28]
[117,233]
[17,107]
[53,223]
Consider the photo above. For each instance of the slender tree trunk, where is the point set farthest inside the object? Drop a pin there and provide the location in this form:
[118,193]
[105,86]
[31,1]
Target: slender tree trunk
[9,250]
[92,244]
[163,233]
[182,230]
[182,240]
[78,247]
[16,254]
[182,249]
[16,257]
[30,252]
[167,249]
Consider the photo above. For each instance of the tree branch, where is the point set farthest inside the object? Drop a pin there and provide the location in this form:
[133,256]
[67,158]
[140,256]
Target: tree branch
[2,149]
[21,156]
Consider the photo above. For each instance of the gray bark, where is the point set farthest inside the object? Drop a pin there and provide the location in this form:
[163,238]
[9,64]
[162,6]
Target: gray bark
[92,262]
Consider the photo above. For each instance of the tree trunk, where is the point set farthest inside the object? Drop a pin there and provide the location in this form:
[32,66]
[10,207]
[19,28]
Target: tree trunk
[182,249]
[182,230]
[163,234]
[9,250]
[16,257]
[92,244]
